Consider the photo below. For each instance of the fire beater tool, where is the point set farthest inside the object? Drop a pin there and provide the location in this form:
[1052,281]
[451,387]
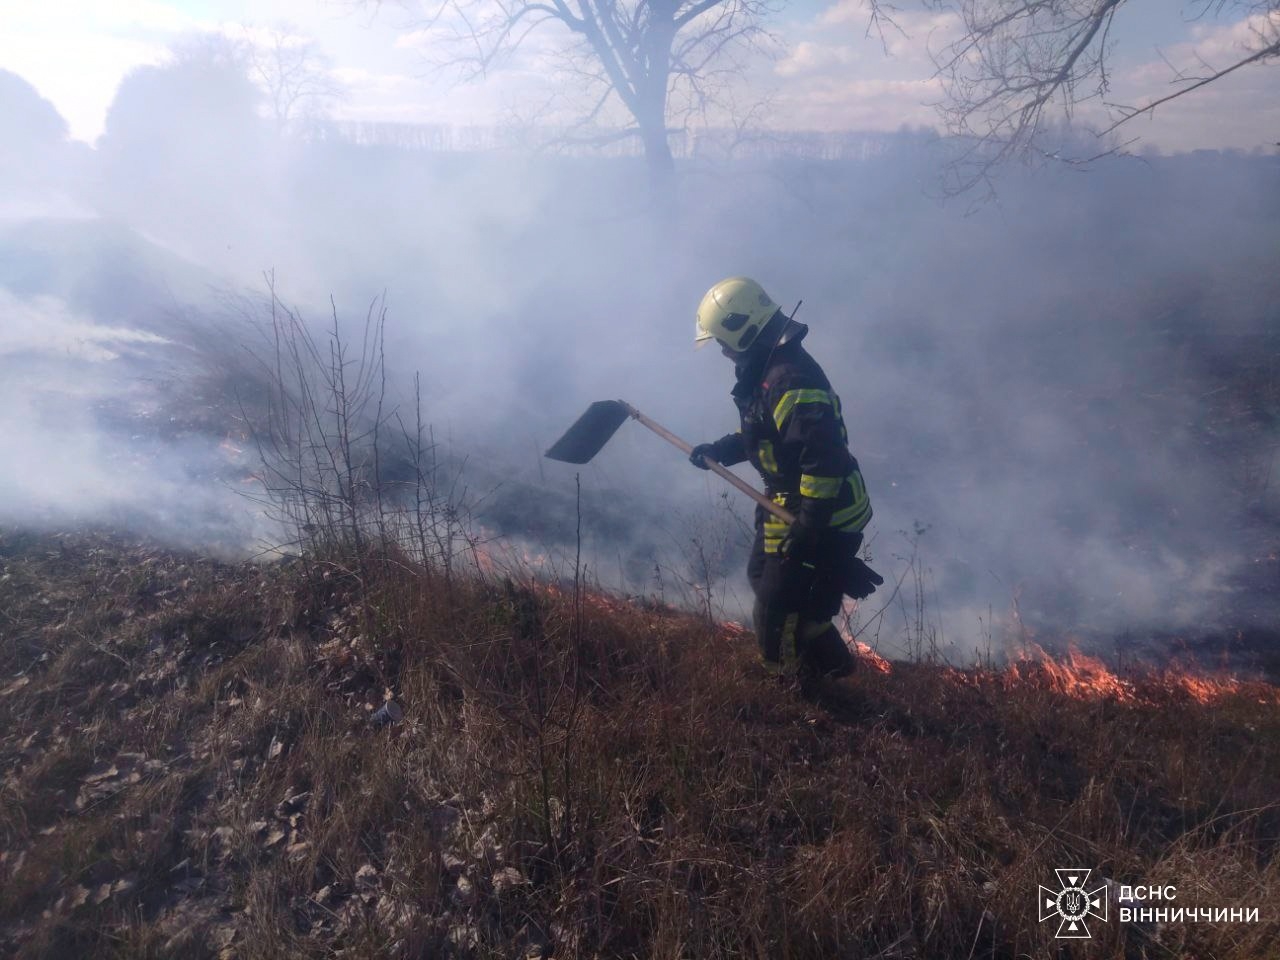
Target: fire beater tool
[592,431]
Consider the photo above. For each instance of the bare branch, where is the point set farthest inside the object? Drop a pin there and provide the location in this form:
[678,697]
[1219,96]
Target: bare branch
[644,52]
[1018,66]
[293,72]
[1263,54]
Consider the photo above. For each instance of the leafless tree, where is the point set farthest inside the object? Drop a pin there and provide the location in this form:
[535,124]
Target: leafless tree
[293,73]
[1018,67]
[654,57]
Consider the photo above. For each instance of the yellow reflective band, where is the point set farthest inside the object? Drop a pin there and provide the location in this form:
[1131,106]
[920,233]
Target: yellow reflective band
[767,459]
[852,518]
[855,516]
[791,398]
[844,434]
[820,488]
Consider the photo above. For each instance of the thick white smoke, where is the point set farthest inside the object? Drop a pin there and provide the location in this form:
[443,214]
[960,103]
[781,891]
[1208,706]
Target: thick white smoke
[1040,386]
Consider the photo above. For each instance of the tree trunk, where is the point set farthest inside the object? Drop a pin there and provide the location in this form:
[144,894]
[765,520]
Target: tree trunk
[657,154]
[652,115]
[652,120]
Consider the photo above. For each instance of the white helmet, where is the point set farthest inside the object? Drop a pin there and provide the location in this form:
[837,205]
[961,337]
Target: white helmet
[734,312]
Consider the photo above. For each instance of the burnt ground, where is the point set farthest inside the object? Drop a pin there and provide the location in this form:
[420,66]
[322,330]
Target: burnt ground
[188,769]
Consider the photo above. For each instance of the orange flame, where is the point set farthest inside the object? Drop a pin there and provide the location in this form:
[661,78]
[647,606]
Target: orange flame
[869,658]
[1076,674]
[866,656]
[1083,677]
[1079,675]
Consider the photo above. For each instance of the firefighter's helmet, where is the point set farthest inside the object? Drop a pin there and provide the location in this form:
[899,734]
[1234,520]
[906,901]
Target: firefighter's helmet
[734,312]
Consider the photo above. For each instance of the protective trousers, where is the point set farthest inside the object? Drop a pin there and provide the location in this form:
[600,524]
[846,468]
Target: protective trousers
[794,604]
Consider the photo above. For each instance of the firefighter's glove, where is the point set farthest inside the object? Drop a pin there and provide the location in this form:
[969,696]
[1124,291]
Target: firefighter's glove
[800,544]
[707,450]
[860,581]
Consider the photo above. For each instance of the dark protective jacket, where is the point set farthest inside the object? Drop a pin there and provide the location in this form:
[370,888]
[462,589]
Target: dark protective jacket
[793,433]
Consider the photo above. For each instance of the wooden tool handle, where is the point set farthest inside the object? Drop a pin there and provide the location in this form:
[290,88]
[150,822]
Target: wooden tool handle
[780,512]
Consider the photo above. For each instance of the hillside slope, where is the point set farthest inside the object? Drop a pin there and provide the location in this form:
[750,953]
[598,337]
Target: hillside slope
[189,770]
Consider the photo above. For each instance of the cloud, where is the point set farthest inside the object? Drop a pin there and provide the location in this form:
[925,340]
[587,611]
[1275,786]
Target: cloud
[1235,39]
[808,57]
[121,15]
[285,36]
[155,17]
[1239,110]
[846,11]
[421,38]
[1210,48]
[906,33]
[839,72]
[360,80]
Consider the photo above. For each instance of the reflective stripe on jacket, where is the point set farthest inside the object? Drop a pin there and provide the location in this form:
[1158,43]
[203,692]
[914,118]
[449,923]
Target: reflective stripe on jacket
[793,432]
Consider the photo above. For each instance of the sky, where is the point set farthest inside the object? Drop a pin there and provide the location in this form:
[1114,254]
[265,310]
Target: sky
[825,72]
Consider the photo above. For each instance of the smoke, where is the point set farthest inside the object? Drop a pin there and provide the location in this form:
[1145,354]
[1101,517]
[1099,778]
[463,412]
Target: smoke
[1065,403]
[95,432]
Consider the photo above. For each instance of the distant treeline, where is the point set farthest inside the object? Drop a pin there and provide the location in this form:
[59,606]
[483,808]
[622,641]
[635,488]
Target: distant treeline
[714,142]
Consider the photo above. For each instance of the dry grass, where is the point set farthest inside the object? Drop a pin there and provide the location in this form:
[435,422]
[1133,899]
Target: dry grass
[188,770]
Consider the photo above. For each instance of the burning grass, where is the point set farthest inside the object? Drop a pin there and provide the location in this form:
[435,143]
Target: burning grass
[189,770]
[1083,677]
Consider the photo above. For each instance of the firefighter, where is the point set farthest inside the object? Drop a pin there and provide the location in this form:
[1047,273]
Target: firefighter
[793,433]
